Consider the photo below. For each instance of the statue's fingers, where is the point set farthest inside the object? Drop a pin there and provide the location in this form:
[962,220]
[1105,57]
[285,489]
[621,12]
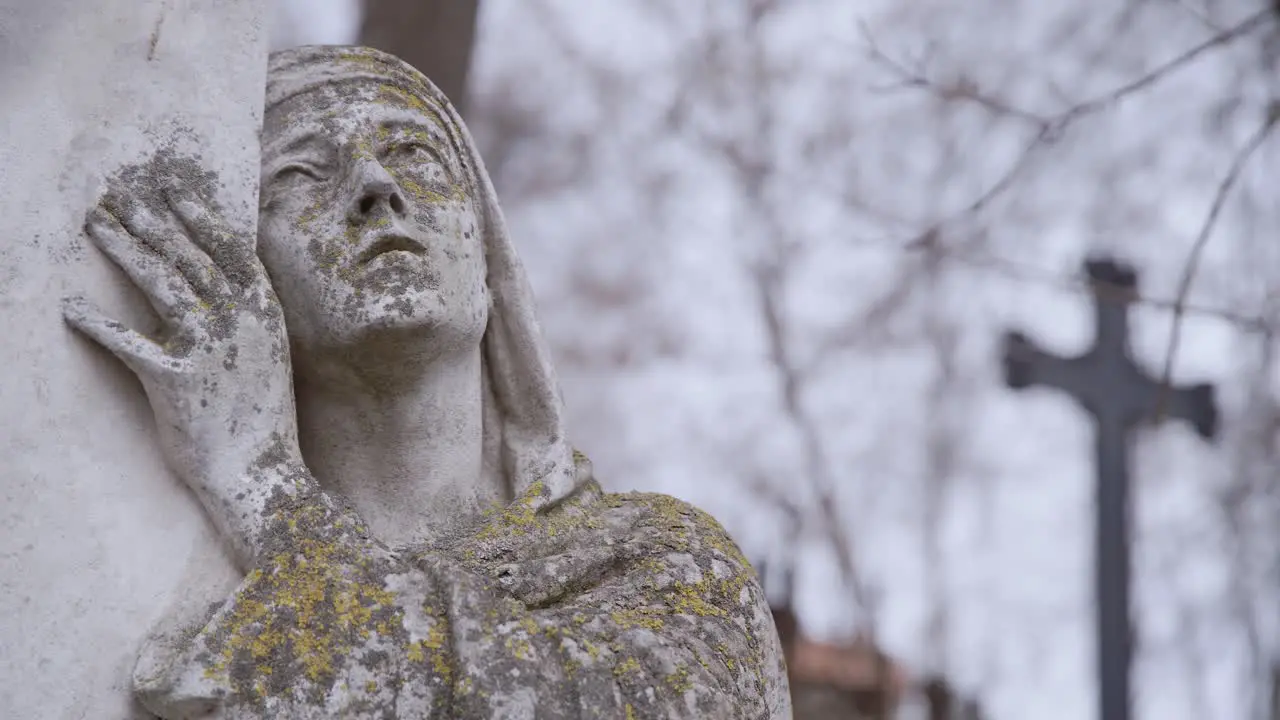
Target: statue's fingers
[233,256]
[188,258]
[143,356]
[168,291]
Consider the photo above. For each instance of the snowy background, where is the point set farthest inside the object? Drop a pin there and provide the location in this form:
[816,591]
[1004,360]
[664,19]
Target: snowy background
[776,244]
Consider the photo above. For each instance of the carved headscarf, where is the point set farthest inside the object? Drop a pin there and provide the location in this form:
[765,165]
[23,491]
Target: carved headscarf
[523,408]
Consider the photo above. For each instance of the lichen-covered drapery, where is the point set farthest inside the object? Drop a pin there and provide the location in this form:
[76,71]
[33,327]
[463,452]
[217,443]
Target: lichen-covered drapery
[627,606]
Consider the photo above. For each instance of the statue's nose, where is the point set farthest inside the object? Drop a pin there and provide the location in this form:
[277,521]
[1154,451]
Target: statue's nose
[376,191]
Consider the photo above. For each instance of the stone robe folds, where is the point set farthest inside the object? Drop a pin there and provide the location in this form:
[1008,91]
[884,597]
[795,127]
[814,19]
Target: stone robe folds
[627,606]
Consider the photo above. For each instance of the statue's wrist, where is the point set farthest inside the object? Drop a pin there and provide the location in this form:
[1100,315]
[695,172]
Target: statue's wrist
[251,461]
[240,489]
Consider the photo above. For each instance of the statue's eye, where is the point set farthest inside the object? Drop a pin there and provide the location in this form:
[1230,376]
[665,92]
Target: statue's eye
[294,171]
[413,151]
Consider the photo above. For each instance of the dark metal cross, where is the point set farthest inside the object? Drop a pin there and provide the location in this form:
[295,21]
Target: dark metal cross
[1120,396]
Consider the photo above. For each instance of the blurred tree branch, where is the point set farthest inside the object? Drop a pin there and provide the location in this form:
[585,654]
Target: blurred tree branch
[1049,129]
[725,93]
[1192,263]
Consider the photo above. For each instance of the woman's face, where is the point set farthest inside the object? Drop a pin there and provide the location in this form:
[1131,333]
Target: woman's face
[367,222]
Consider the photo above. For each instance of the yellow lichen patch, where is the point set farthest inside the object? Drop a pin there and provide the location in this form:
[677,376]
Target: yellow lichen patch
[679,680]
[626,666]
[362,59]
[517,517]
[714,536]
[653,565]
[435,635]
[697,656]
[520,648]
[308,215]
[465,686]
[691,600]
[376,66]
[440,663]
[520,518]
[529,625]
[628,619]
[434,646]
[266,642]
[432,195]
[304,610]
[414,653]
[396,95]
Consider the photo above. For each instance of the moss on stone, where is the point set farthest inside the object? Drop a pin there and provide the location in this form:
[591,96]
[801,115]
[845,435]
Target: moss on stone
[670,586]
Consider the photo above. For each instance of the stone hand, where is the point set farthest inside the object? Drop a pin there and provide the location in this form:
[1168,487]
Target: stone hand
[218,379]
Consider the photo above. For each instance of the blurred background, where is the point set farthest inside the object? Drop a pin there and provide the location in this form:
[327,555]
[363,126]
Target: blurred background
[776,244]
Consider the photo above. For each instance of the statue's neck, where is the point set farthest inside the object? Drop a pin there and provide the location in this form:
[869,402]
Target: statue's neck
[409,456]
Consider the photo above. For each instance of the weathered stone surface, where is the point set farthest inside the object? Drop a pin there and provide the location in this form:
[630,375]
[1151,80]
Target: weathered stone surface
[97,538]
[628,606]
[418,538]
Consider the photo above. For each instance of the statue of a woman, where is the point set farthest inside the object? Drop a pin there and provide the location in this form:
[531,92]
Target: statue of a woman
[418,537]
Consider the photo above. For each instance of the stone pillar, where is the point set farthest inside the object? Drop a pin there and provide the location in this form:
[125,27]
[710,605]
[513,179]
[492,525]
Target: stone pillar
[97,540]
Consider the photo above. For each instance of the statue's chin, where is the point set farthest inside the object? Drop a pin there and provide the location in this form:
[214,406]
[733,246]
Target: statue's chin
[408,320]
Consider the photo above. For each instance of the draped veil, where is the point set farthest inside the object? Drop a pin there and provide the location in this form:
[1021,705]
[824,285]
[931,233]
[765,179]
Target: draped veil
[523,411]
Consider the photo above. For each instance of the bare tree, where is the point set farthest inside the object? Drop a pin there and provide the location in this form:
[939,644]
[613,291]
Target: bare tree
[938,156]
[435,36]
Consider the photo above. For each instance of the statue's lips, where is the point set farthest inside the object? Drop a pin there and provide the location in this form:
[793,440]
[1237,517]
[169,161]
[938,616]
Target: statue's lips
[390,243]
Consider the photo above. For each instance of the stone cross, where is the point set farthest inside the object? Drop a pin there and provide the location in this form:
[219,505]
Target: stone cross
[1119,395]
[97,540]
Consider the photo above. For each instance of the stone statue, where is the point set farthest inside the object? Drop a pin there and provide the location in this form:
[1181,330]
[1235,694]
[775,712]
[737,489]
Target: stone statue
[368,413]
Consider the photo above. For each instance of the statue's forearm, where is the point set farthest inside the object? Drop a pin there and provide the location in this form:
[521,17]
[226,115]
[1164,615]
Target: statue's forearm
[258,504]
[239,508]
